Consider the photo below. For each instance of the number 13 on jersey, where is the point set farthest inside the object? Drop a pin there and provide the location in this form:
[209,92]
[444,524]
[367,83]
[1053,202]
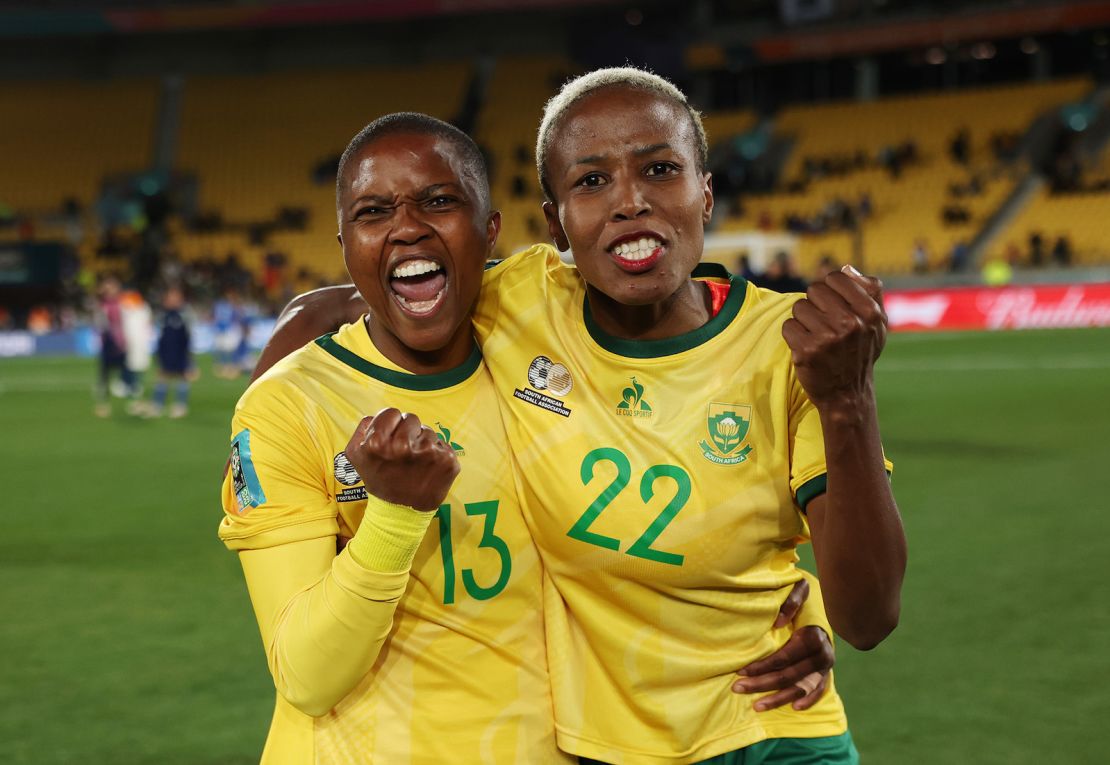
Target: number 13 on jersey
[488,511]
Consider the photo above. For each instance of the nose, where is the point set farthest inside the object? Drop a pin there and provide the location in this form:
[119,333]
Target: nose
[630,201]
[409,226]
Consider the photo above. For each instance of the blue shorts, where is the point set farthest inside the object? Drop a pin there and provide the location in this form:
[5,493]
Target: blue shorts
[829,750]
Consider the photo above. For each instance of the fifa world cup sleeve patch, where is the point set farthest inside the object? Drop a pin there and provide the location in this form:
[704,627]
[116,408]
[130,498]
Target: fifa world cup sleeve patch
[244,479]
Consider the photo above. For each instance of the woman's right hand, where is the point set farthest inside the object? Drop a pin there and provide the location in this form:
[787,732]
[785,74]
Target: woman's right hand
[402,461]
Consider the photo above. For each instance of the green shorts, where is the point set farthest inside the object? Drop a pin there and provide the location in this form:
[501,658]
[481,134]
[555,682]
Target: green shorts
[830,750]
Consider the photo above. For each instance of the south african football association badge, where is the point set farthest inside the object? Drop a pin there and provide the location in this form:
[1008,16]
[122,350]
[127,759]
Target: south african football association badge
[728,426]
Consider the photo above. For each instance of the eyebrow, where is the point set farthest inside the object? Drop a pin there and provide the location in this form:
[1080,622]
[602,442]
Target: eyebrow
[595,159]
[429,191]
[383,199]
[374,198]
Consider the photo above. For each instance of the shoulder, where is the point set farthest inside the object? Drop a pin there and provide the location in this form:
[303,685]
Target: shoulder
[539,260]
[768,302]
[287,382]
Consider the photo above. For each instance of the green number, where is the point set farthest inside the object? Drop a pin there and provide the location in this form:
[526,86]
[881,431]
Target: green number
[489,539]
[580,530]
[446,552]
[642,548]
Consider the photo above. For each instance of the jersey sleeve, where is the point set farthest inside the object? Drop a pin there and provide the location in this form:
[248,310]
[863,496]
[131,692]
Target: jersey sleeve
[807,447]
[274,490]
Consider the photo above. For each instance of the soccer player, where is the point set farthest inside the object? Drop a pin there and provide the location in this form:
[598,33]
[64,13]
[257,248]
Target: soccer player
[689,447]
[406,646]
[113,345]
[175,357]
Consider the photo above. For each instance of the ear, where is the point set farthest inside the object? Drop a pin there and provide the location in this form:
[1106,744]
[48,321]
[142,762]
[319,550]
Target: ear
[493,229]
[555,226]
[707,189]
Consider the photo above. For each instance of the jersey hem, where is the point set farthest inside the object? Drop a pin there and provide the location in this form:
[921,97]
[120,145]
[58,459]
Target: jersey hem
[596,750]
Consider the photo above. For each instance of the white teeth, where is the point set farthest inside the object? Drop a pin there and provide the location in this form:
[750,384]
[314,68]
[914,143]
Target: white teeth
[419,306]
[415,268]
[638,249]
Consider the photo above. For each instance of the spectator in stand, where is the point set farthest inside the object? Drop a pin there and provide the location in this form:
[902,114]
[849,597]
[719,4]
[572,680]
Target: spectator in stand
[955,214]
[1013,254]
[997,272]
[825,266]
[957,258]
[175,358]
[1061,251]
[865,208]
[960,147]
[1036,249]
[888,158]
[782,276]
[744,268]
[920,256]
[273,273]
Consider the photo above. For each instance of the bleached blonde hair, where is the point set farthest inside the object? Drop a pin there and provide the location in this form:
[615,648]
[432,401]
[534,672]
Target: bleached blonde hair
[627,77]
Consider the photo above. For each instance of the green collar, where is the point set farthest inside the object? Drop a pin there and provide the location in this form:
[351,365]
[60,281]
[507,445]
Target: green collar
[437,381]
[669,346]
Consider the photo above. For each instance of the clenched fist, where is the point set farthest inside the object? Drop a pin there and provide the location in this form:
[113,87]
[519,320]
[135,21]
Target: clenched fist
[402,461]
[836,334]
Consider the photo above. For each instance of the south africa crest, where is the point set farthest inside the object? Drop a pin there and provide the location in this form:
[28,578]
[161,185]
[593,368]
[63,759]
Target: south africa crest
[728,426]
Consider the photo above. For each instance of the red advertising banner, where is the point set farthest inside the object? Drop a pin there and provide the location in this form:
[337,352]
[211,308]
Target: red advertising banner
[1024,307]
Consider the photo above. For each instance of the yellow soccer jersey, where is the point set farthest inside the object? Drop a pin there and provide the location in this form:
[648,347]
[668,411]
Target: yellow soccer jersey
[662,482]
[463,676]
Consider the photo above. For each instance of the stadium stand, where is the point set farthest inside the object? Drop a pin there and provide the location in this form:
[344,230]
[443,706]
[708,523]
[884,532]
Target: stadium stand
[908,201]
[61,139]
[506,130]
[1080,216]
[254,142]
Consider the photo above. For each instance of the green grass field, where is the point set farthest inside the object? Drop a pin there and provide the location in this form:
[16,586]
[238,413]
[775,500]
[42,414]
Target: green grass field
[128,636]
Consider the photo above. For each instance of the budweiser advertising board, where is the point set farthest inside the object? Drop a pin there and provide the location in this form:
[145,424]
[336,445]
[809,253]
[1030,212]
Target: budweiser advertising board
[1025,307]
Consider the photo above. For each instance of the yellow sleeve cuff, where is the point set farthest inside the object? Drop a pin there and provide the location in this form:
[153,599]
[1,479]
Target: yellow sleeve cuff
[389,536]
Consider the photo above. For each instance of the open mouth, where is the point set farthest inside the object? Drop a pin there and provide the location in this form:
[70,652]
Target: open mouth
[637,255]
[418,285]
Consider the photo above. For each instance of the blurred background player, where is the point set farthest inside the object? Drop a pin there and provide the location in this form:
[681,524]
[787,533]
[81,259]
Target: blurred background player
[229,339]
[138,334]
[175,357]
[113,347]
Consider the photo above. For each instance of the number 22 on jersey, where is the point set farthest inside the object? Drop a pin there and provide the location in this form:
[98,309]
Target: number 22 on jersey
[642,547]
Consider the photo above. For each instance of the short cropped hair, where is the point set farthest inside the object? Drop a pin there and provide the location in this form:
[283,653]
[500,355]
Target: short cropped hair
[615,77]
[474,163]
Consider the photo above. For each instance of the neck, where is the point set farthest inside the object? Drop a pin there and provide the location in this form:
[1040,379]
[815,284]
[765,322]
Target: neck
[684,311]
[454,353]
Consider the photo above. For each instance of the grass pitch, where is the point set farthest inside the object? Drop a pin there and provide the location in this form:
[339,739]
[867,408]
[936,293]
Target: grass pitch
[128,636]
